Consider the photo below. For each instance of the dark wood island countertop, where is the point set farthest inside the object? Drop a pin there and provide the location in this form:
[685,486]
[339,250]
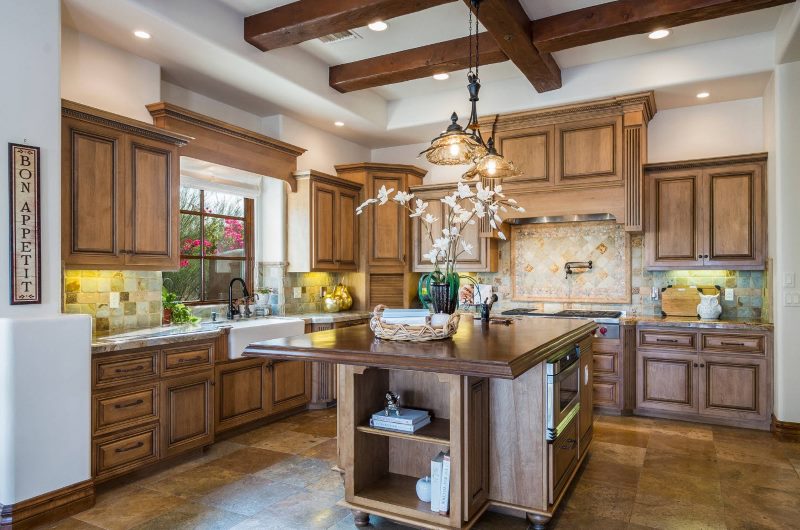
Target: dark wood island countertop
[482,350]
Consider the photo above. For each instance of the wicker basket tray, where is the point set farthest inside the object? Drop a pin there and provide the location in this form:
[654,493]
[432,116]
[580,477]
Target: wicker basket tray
[410,333]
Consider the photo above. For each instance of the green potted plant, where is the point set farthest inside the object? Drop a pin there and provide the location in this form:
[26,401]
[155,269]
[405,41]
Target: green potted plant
[174,311]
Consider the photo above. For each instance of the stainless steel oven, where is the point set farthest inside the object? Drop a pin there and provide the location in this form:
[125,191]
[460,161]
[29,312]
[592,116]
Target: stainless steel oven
[563,389]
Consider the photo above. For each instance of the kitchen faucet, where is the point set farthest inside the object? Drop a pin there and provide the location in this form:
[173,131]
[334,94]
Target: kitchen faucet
[233,309]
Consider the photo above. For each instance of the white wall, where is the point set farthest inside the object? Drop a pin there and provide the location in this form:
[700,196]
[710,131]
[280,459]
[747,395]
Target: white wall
[785,239]
[325,150]
[210,107]
[102,76]
[407,154]
[44,414]
[701,131]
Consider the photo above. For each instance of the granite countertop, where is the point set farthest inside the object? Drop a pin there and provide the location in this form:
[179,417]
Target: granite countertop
[327,318]
[149,337]
[694,322]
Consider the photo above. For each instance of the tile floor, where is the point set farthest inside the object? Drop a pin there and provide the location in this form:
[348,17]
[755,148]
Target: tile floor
[641,473]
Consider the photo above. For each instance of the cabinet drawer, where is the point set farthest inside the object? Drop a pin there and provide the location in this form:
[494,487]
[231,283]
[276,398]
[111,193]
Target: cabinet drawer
[124,368]
[733,343]
[667,340]
[179,359]
[123,452]
[606,364]
[605,393]
[124,409]
[563,457]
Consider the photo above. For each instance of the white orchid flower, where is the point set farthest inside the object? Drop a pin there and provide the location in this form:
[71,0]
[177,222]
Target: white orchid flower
[484,194]
[465,216]
[432,256]
[421,206]
[364,204]
[466,246]
[492,224]
[498,190]
[450,200]
[441,244]
[501,235]
[383,194]
[403,197]
[464,192]
[480,210]
[429,219]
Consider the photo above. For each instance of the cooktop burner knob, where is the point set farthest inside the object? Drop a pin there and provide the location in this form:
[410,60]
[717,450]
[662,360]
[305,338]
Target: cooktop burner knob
[603,330]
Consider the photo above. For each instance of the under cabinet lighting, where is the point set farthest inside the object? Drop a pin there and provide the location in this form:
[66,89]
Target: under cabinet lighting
[659,34]
[703,95]
[141,34]
[441,77]
[378,25]
[339,123]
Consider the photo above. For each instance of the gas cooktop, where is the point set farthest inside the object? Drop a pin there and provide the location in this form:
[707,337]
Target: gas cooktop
[567,313]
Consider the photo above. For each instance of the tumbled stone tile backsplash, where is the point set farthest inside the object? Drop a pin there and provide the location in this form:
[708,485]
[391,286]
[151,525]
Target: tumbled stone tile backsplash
[88,292]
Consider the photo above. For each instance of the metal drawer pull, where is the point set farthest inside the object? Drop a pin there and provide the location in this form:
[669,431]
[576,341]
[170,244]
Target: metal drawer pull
[568,444]
[127,370]
[732,343]
[131,404]
[193,359]
[137,445]
[667,340]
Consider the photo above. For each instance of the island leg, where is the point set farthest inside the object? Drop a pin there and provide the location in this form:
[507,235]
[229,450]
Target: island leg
[537,521]
[360,518]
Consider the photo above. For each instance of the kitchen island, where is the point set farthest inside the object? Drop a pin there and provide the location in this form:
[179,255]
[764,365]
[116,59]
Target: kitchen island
[488,394]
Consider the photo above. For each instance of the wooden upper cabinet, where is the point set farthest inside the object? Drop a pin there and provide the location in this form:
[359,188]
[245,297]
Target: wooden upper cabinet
[387,225]
[323,227]
[533,152]
[589,151]
[120,186]
[484,256]
[706,213]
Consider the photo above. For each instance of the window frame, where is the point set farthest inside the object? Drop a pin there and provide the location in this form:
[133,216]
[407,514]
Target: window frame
[249,245]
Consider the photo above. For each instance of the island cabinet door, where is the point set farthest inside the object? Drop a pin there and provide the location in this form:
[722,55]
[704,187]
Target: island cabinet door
[188,412]
[733,387]
[666,381]
[290,385]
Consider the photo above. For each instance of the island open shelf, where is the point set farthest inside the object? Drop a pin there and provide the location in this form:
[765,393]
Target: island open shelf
[436,432]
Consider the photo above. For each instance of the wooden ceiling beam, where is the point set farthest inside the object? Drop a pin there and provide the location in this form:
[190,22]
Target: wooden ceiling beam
[511,28]
[305,20]
[416,63]
[630,17]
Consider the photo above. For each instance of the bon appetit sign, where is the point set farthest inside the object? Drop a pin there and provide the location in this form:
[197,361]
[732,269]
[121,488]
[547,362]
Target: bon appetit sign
[25,238]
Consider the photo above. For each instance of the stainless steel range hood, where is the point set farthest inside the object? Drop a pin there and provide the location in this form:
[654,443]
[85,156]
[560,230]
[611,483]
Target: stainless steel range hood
[562,219]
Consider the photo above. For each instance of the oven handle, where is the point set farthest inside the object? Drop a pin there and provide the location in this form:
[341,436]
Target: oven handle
[566,372]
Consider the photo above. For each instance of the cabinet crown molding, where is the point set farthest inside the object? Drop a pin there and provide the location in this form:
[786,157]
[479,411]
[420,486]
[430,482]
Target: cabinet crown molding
[386,168]
[753,158]
[319,176]
[71,109]
[643,101]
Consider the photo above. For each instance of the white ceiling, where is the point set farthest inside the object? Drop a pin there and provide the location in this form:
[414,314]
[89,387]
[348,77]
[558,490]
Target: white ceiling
[199,45]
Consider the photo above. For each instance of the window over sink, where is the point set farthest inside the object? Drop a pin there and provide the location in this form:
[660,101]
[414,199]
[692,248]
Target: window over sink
[216,245]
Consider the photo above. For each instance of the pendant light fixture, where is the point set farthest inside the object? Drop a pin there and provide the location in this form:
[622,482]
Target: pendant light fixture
[457,145]
[491,166]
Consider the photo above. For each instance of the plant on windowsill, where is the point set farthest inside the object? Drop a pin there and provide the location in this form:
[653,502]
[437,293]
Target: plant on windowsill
[447,248]
[174,311]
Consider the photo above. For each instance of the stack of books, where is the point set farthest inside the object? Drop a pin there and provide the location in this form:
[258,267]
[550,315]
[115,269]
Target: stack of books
[409,420]
[409,317]
[440,483]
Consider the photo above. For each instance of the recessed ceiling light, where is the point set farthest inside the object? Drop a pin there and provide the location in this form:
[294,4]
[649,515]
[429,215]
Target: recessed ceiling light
[659,34]
[441,77]
[141,34]
[339,123]
[378,25]
[703,95]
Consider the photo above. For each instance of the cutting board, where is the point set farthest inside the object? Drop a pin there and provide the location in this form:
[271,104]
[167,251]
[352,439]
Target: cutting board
[682,301]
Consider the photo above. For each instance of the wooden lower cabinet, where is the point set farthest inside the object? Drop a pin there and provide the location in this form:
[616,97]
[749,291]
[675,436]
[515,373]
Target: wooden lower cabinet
[187,412]
[731,387]
[563,455]
[126,451]
[290,385]
[607,374]
[242,390]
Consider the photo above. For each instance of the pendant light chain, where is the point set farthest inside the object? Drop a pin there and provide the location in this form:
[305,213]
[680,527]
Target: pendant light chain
[469,31]
[477,38]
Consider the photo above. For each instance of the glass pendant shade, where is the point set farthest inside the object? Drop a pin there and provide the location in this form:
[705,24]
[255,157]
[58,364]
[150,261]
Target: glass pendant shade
[453,147]
[491,166]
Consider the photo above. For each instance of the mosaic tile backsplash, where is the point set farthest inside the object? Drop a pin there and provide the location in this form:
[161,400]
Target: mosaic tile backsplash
[539,253]
[89,292]
[750,287]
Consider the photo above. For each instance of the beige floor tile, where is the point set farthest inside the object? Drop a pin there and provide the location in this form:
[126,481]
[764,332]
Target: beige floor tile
[247,496]
[250,460]
[195,482]
[619,454]
[325,451]
[192,516]
[667,513]
[128,507]
[67,524]
[289,442]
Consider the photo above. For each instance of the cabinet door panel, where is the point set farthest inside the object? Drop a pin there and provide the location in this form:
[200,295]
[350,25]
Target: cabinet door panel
[733,387]
[673,232]
[291,385]
[733,234]
[589,152]
[421,240]
[387,226]
[605,393]
[347,248]
[532,151]
[241,393]
[153,189]
[92,203]
[666,381]
[188,413]
[323,216]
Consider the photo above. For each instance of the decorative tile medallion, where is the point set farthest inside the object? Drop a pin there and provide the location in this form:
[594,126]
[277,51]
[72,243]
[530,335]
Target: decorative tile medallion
[539,252]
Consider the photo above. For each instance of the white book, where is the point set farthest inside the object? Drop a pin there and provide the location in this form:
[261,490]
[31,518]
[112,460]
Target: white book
[408,321]
[444,487]
[389,313]
[436,481]
[406,416]
[399,427]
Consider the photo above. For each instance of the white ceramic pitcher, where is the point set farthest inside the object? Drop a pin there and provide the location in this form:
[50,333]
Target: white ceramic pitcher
[709,308]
